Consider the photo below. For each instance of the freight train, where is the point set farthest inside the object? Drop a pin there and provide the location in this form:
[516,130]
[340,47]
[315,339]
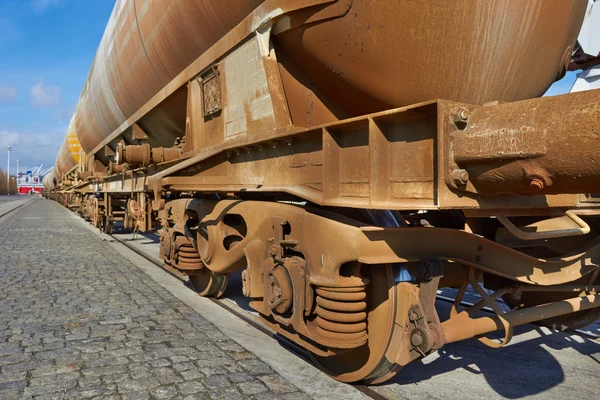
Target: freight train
[350,158]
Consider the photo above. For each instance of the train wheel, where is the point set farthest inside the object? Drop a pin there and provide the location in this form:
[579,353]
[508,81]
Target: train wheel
[108,225]
[369,363]
[209,284]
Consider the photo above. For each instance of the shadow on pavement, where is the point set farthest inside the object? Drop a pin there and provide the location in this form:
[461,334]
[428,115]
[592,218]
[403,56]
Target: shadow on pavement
[523,368]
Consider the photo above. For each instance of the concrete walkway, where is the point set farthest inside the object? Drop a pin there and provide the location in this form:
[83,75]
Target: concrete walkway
[9,203]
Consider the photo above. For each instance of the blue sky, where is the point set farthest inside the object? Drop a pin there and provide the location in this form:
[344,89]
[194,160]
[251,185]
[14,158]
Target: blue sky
[46,50]
[564,85]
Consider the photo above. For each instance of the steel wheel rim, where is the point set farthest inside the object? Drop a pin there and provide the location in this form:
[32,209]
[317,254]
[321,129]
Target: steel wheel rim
[208,284]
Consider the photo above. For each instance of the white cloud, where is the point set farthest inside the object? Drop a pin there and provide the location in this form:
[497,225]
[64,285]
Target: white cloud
[22,139]
[30,149]
[7,94]
[42,95]
[8,139]
[39,6]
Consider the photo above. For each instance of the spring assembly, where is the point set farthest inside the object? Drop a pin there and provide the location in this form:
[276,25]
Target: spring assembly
[341,313]
[187,257]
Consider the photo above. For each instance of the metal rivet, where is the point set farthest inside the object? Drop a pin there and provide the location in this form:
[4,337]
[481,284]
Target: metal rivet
[460,177]
[460,118]
[536,184]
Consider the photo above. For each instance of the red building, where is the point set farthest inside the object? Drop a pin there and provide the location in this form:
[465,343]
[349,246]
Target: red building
[31,181]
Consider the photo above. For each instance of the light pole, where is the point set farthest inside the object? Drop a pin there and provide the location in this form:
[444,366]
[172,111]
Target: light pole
[17,177]
[8,172]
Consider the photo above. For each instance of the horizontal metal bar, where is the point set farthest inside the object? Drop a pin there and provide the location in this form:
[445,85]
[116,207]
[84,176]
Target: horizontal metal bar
[464,327]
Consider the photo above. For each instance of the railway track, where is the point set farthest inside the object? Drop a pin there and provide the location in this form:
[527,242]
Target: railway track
[231,307]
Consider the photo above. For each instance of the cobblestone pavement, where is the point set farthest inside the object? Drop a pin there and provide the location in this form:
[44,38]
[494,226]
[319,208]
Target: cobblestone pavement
[79,321]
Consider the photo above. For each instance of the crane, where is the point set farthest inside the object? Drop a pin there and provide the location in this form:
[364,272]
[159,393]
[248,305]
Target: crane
[587,52]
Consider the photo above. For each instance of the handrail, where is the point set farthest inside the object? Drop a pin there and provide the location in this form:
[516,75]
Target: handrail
[582,228]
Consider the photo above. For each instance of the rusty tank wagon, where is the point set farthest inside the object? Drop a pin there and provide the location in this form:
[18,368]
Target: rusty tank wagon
[350,158]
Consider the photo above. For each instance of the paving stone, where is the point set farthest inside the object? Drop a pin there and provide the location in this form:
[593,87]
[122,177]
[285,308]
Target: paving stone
[136,395]
[197,396]
[296,396]
[112,396]
[240,377]
[226,394]
[87,393]
[164,392]
[12,385]
[50,387]
[167,376]
[138,384]
[160,363]
[183,366]
[191,374]
[142,372]
[88,381]
[115,378]
[12,376]
[252,387]
[277,384]
[54,379]
[191,387]
[255,366]
[78,321]
[217,381]
[106,370]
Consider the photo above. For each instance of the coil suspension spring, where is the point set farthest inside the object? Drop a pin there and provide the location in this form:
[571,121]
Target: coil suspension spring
[341,312]
[187,256]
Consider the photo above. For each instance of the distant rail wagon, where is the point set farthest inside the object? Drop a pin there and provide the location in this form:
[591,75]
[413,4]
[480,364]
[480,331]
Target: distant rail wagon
[350,157]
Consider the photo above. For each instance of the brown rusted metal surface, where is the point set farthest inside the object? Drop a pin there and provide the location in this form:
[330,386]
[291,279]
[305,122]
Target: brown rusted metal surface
[531,148]
[48,180]
[167,102]
[144,155]
[468,50]
[164,37]
[464,327]
[410,158]
[146,44]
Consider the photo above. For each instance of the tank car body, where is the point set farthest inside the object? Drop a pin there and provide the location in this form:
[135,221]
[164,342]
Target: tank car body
[350,157]
[70,151]
[47,181]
